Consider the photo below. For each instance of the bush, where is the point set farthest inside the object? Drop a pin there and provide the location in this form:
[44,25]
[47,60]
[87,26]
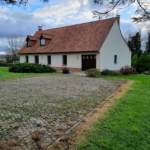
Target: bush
[92,72]
[127,70]
[134,62]
[141,62]
[108,72]
[65,71]
[116,73]
[144,62]
[146,72]
[31,68]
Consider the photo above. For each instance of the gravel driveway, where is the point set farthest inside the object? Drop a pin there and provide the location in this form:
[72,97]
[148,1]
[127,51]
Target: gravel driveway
[35,111]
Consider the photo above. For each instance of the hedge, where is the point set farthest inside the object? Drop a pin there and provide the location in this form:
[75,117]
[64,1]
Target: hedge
[31,68]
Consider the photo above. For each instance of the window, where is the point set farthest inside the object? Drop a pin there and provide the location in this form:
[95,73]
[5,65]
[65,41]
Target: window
[37,59]
[27,60]
[115,59]
[64,59]
[42,41]
[28,43]
[49,59]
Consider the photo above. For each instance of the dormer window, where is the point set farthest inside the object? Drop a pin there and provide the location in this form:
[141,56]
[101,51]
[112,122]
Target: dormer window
[31,40]
[28,43]
[42,41]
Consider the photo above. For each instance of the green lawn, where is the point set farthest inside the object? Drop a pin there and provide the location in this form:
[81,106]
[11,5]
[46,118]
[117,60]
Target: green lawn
[5,74]
[2,59]
[127,125]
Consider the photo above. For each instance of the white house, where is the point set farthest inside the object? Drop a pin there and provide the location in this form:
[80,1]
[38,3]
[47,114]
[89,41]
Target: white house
[97,44]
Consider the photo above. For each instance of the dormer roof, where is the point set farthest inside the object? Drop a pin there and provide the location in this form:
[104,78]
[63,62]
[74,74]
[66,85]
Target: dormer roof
[32,38]
[46,36]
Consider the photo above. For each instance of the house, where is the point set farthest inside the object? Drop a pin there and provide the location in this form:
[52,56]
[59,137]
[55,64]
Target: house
[97,44]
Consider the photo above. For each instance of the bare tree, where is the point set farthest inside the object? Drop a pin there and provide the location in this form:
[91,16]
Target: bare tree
[127,35]
[142,11]
[15,43]
[15,2]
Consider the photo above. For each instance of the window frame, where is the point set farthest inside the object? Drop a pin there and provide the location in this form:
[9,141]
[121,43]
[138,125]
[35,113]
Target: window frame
[27,59]
[49,60]
[42,39]
[64,61]
[115,59]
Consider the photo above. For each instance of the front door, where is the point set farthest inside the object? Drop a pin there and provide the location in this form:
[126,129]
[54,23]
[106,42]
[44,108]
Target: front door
[88,61]
[37,59]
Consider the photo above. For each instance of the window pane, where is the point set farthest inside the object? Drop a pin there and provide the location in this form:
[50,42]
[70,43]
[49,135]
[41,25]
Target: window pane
[28,43]
[26,58]
[87,57]
[83,57]
[115,59]
[42,41]
[49,59]
[90,57]
[64,59]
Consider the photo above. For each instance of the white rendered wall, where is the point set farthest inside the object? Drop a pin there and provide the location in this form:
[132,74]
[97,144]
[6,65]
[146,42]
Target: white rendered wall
[74,60]
[114,45]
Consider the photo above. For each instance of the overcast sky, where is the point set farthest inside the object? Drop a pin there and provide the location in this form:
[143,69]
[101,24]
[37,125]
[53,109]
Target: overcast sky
[25,20]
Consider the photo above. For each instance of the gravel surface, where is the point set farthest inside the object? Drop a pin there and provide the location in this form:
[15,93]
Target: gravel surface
[37,111]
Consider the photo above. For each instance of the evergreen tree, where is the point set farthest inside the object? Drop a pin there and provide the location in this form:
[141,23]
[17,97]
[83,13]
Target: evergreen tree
[134,62]
[148,44]
[135,43]
[143,62]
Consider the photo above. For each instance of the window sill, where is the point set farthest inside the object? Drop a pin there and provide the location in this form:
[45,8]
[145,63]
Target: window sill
[49,64]
[115,63]
[64,65]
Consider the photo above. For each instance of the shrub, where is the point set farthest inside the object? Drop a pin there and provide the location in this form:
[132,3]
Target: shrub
[31,68]
[92,72]
[144,62]
[127,70]
[134,62]
[106,72]
[141,63]
[146,72]
[65,71]
[116,73]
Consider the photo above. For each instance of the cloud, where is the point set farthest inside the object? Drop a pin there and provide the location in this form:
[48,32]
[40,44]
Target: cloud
[127,26]
[2,53]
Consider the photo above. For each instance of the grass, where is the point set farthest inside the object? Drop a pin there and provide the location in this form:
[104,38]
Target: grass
[127,125]
[2,59]
[5,74]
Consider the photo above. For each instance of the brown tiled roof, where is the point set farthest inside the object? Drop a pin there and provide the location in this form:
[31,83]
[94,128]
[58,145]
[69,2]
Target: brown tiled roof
[32,38]
[86,37]
[47,36]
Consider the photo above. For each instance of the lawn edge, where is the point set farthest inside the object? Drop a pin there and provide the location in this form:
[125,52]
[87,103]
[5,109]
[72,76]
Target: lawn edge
[77,133]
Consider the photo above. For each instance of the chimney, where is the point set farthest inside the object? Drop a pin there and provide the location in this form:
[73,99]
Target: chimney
[118,19]
[40,28]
